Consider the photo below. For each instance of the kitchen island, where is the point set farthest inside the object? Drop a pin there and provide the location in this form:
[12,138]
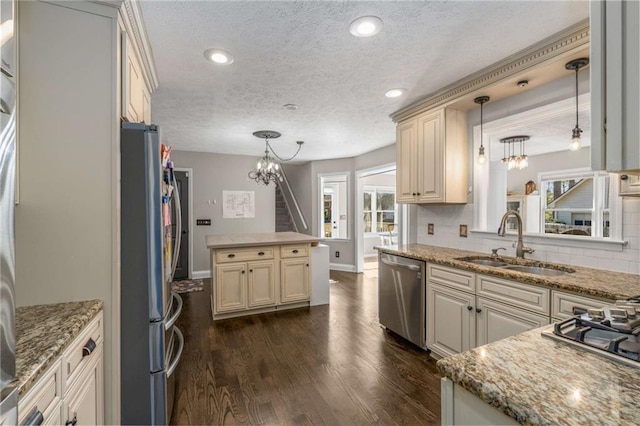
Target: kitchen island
[255,273]
[531,379]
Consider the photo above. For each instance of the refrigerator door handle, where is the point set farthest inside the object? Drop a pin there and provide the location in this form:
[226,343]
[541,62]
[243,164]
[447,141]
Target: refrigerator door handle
[178,309]
[178,353]
[178,240]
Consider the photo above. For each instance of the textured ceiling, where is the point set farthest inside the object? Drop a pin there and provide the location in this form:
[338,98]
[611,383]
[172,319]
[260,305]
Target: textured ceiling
[301,52]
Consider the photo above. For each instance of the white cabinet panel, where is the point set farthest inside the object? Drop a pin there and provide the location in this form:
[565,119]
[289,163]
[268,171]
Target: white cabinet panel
[497,321]
[451,320]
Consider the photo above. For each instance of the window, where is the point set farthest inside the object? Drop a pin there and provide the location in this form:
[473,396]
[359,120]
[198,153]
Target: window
[576,203]
[379,209]
[333,205]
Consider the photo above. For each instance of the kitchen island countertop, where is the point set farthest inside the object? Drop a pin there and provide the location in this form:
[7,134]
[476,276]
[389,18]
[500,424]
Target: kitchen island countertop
[44,332]
[537,380]
[262,239]
[591,282]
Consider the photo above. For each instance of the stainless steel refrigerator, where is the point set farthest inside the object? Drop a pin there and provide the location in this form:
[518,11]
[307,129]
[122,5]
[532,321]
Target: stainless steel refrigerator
[8,393]
[151,343]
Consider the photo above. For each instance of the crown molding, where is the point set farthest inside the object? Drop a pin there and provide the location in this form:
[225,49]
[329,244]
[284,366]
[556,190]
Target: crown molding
[571,38]
[131,14]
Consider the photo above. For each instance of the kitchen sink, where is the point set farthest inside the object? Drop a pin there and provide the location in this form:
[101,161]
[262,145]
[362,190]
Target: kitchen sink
[536,270]
[486,262]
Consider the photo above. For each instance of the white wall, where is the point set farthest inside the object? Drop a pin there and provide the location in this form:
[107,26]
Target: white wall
[212,174]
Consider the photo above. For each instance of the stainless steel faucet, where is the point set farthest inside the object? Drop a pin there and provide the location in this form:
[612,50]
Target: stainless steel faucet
[520,248]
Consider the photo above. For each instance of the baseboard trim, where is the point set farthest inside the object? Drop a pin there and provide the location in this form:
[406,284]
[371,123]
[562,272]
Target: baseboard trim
[342,267]
[197,275]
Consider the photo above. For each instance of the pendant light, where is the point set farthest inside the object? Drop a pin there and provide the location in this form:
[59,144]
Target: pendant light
[481,100]
[576,65]
[509,157]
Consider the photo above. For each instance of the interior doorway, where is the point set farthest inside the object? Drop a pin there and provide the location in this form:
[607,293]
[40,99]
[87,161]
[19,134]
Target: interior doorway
[378,216]
[183,183]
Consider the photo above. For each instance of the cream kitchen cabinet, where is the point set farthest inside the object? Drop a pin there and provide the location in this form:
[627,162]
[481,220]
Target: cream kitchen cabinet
[432,158]
[135,94]
[73,387]
[615,93]
[294,280]
[562,304]
[451,320]
[465,310]
[259,279]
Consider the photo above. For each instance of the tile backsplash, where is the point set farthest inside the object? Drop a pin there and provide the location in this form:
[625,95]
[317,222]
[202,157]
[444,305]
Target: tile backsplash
[447,221]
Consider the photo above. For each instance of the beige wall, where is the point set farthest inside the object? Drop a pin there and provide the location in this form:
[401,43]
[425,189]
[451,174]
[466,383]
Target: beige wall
[212,174]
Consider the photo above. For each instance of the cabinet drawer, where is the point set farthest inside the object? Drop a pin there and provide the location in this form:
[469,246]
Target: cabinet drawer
[45,397]
[451,277]
[526,296]
[294,251]
[562,304]
[75,358]
[244,254]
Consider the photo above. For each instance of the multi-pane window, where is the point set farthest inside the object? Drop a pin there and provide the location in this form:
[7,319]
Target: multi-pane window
[576,204]
[379,209]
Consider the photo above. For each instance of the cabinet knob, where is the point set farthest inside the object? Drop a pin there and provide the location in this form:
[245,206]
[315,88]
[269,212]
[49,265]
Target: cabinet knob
[417,193]
[295,251]
[243,271]
[250,270]
[307,264]
[478,310]
[72,422]
[414,194]
[88,347]
[469,308]
[260,253]
[231,256]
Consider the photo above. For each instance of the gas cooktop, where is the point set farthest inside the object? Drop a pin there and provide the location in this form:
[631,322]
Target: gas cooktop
[612,331]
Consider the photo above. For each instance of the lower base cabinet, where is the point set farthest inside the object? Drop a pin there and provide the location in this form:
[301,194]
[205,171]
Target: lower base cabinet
[461,407]
[71,391]
[451,320]
[294,280]
[497,321]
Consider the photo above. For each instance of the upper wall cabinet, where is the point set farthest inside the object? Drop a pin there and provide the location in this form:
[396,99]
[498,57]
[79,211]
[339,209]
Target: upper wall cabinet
[615,86]
[432,158]
[136,97]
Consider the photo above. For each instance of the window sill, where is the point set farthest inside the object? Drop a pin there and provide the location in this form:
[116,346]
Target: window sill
[561,240]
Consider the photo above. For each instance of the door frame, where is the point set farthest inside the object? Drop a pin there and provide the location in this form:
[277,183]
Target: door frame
[360,207]
[189,172]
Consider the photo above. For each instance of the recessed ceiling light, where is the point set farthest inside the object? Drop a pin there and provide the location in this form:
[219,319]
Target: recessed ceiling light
[366,26]
[394,93]
[290,107]
[219,56]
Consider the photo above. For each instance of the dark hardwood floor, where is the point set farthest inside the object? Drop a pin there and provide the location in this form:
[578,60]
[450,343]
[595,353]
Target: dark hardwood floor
[330,364]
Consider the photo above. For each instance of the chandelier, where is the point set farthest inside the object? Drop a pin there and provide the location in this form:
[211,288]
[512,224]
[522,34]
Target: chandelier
[267,169]
[510,149]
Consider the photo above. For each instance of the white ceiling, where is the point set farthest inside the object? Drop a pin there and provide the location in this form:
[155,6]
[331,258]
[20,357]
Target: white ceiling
[301,52]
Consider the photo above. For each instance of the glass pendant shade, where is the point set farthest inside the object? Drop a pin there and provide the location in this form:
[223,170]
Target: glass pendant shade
[575,65]
[481,100]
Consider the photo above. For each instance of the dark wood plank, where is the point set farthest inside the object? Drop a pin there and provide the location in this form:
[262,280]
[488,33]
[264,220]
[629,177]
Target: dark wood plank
[330,364]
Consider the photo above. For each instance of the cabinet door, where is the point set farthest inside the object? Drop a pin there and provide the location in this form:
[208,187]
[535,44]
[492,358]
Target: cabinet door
[85,399]
[133,84]
[231,287]
[451,320]
[294,280]
[262,284]
[496,321]
[146,107]
[406,161]
[431,157]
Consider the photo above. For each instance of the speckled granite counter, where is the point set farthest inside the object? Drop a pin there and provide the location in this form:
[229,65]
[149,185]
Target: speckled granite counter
[44,332]
[253,240]
[536,380]
[586,281]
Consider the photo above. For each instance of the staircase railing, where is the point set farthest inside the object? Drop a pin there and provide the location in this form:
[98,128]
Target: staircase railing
[287,194]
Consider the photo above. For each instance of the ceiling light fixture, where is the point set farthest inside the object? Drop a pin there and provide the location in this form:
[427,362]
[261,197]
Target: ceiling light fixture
[394,93]
[481,100]
[219,56]
[366,26]
[267,169]
[290,107]
[510,158]
[576,65]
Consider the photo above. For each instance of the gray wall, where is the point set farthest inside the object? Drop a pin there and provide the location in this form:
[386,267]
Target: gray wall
[299,177]
[213,173]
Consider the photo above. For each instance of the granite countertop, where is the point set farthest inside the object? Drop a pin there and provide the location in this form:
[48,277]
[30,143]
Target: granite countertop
[252,240]
[537,380]
[586,281]
[44,332]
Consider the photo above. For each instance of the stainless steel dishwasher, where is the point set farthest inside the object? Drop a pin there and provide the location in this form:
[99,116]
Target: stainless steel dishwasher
[401,297]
